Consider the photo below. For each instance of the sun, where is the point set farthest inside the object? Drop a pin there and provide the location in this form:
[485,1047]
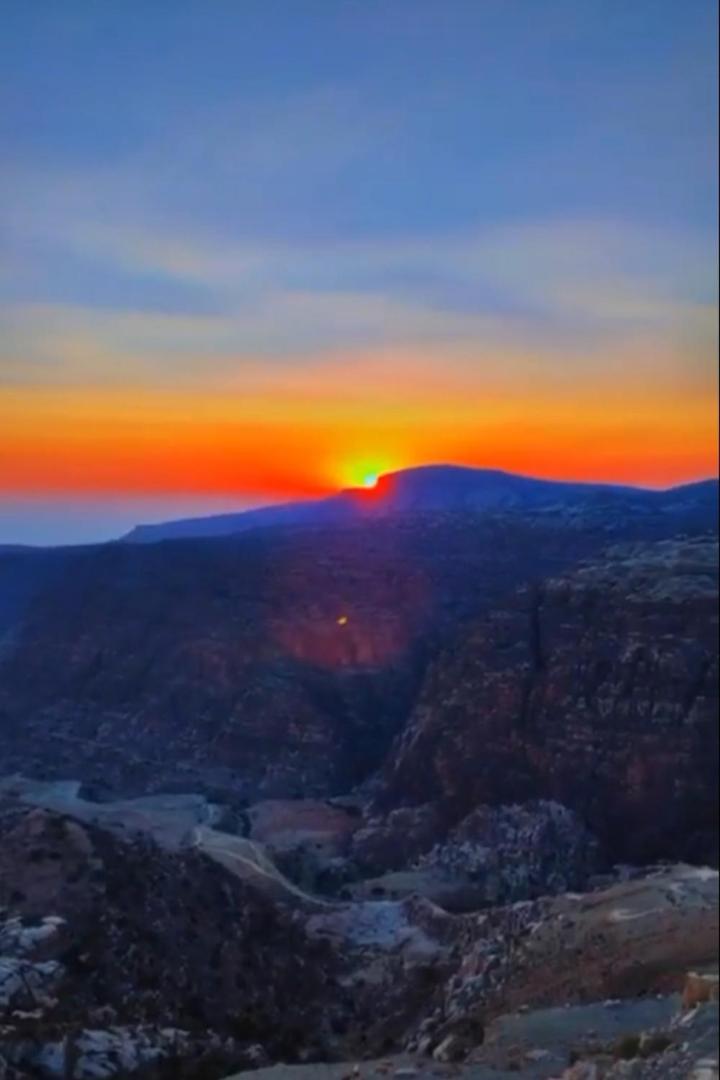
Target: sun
[364,472]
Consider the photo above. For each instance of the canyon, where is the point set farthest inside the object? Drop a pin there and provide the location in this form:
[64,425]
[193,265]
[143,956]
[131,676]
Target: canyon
[348,792]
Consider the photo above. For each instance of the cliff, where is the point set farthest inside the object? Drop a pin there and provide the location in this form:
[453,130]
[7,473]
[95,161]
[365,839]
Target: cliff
[597,689]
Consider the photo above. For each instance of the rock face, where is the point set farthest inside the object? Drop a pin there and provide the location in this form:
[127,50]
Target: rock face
[495,855]
[597,689]
[632,938]
[516,852]
[700,986]
[274,664]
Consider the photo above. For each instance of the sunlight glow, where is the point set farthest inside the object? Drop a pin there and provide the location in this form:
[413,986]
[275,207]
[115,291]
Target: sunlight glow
[364,472]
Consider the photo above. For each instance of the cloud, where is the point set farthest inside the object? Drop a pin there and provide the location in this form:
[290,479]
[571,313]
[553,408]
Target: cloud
[277,334]
[572,294]
[116,273]
[601,271]
[227,163]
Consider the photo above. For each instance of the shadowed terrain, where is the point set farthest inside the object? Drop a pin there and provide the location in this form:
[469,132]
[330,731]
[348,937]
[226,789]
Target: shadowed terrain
[394,763]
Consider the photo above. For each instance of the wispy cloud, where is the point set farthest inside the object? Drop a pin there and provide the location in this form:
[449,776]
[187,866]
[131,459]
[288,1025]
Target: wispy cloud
[573,292]
[178,255]
[540,259]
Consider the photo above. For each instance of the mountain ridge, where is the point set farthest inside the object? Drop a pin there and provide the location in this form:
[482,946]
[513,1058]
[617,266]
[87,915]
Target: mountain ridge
[430,488]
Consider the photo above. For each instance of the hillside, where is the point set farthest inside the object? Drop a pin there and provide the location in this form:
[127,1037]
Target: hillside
[451,488]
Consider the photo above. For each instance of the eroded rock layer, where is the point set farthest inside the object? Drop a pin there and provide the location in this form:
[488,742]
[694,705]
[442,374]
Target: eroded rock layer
[597,689]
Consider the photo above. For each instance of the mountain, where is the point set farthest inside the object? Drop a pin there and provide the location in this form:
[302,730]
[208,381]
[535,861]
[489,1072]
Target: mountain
[449,488]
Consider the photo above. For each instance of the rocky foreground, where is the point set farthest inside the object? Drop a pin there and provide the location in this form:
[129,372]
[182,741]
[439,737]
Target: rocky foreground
[120,957]
[654,1038]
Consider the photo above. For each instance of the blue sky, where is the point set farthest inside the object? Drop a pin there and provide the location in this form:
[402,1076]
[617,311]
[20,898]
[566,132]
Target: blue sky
[325,123]
[201,193]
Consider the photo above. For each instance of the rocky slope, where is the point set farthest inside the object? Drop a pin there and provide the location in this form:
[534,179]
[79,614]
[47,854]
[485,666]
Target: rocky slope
[118,957]
[275,664]
[597,689]
[644,1039]
[163,950]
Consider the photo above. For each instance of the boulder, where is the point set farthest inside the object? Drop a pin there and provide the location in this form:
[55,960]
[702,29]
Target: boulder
[700,987]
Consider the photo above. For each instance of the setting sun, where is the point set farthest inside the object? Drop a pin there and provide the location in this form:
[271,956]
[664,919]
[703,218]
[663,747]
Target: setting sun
[365,472]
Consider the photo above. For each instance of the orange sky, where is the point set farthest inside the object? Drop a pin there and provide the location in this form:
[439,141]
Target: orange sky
[284,444]
[286,250]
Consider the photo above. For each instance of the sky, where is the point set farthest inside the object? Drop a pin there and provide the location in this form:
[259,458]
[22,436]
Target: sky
[253,250]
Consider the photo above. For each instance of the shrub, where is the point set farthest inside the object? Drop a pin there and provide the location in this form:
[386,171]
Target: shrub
[627,1047]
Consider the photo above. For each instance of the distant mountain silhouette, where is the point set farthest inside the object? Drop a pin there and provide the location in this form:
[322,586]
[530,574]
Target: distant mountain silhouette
[446,488]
